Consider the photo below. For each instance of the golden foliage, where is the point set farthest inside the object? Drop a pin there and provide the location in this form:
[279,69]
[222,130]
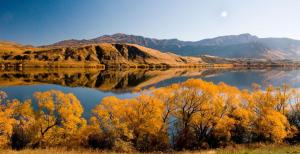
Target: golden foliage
[58,117]
[7,120]
[188,115]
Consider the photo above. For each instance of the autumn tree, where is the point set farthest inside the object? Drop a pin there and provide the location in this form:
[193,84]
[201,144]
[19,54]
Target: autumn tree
[270,123]
[17,119]
[167,96]
[133,121]
[24,131]
[244,119]
[191,115]
[58,118]
[7,109]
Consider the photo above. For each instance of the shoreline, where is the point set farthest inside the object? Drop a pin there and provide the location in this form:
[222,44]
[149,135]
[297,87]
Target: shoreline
[71,64]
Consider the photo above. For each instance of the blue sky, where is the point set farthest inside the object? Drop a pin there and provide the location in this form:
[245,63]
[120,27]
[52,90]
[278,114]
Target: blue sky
[41,22]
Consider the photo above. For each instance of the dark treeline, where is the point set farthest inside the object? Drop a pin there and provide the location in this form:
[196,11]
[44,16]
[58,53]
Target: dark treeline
[191,115]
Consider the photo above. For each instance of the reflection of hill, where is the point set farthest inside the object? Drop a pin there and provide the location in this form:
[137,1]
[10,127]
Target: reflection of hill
[104,80]
[243,79]
[279,76]
[128,80]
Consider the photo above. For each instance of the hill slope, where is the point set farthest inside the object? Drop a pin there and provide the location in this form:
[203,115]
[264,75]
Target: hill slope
[111,55]
[6,46]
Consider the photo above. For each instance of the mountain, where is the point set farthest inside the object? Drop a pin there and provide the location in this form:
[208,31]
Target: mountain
[157,44]
[231,46]
[227,40]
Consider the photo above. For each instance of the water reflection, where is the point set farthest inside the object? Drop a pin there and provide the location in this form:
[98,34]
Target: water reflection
[103,80]
[128,80]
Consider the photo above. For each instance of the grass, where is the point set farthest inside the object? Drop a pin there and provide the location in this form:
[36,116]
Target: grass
[53,151]
[250,149]
[261,149]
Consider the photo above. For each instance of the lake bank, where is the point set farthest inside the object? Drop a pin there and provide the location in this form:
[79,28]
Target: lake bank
[239,149]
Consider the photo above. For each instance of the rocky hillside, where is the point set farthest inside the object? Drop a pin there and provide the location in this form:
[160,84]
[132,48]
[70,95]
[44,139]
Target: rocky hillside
[231,46]
[110,55]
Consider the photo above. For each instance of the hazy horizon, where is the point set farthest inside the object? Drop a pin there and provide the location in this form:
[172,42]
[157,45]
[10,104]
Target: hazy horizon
[44,22]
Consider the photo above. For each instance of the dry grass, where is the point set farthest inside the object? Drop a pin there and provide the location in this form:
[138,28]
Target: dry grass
[53,151]
[252,149]
[261,149]
[89,151]
[16,48]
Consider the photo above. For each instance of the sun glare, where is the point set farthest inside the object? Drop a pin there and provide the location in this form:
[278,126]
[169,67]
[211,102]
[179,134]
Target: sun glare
[224,14]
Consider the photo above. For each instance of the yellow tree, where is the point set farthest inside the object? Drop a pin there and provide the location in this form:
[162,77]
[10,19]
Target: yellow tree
[294,114]
[227,100]
[192,100]
[270,123]
[12,113]
[167,96]
[244,117]
[130,120]
[213,123]
[108,119]
[283,96]
[24,130]
[58,117]
[7,120]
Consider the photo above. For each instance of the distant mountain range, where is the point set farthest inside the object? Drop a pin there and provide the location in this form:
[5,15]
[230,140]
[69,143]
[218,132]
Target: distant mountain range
[231,46]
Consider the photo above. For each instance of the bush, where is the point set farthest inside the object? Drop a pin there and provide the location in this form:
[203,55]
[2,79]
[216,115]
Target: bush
[20,138]
[27,52]
[123,146]
[99,141]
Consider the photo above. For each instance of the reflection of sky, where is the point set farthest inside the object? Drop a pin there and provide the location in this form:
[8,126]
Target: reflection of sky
[245,79]
[90,97]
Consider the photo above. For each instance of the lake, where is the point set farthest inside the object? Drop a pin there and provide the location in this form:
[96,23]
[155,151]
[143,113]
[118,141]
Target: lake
[90,86]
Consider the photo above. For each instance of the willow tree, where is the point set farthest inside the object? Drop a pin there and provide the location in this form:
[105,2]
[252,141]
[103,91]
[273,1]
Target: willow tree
[7,120]
[133,121]
[58,118]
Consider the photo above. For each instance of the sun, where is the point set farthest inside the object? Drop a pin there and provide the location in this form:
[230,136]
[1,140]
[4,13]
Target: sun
[224,14]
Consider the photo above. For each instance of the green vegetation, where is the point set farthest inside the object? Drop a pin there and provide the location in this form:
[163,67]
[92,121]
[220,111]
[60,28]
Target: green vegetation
[261,149]
[193,115]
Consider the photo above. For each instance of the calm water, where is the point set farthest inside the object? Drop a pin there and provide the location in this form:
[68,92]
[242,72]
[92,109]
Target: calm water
[90,86]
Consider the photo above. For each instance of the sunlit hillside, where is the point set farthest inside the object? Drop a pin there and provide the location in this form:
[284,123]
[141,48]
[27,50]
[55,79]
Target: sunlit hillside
[16,48]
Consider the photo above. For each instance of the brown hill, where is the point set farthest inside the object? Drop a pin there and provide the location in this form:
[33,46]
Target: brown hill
[135,55]
[7,47]
[111,55]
